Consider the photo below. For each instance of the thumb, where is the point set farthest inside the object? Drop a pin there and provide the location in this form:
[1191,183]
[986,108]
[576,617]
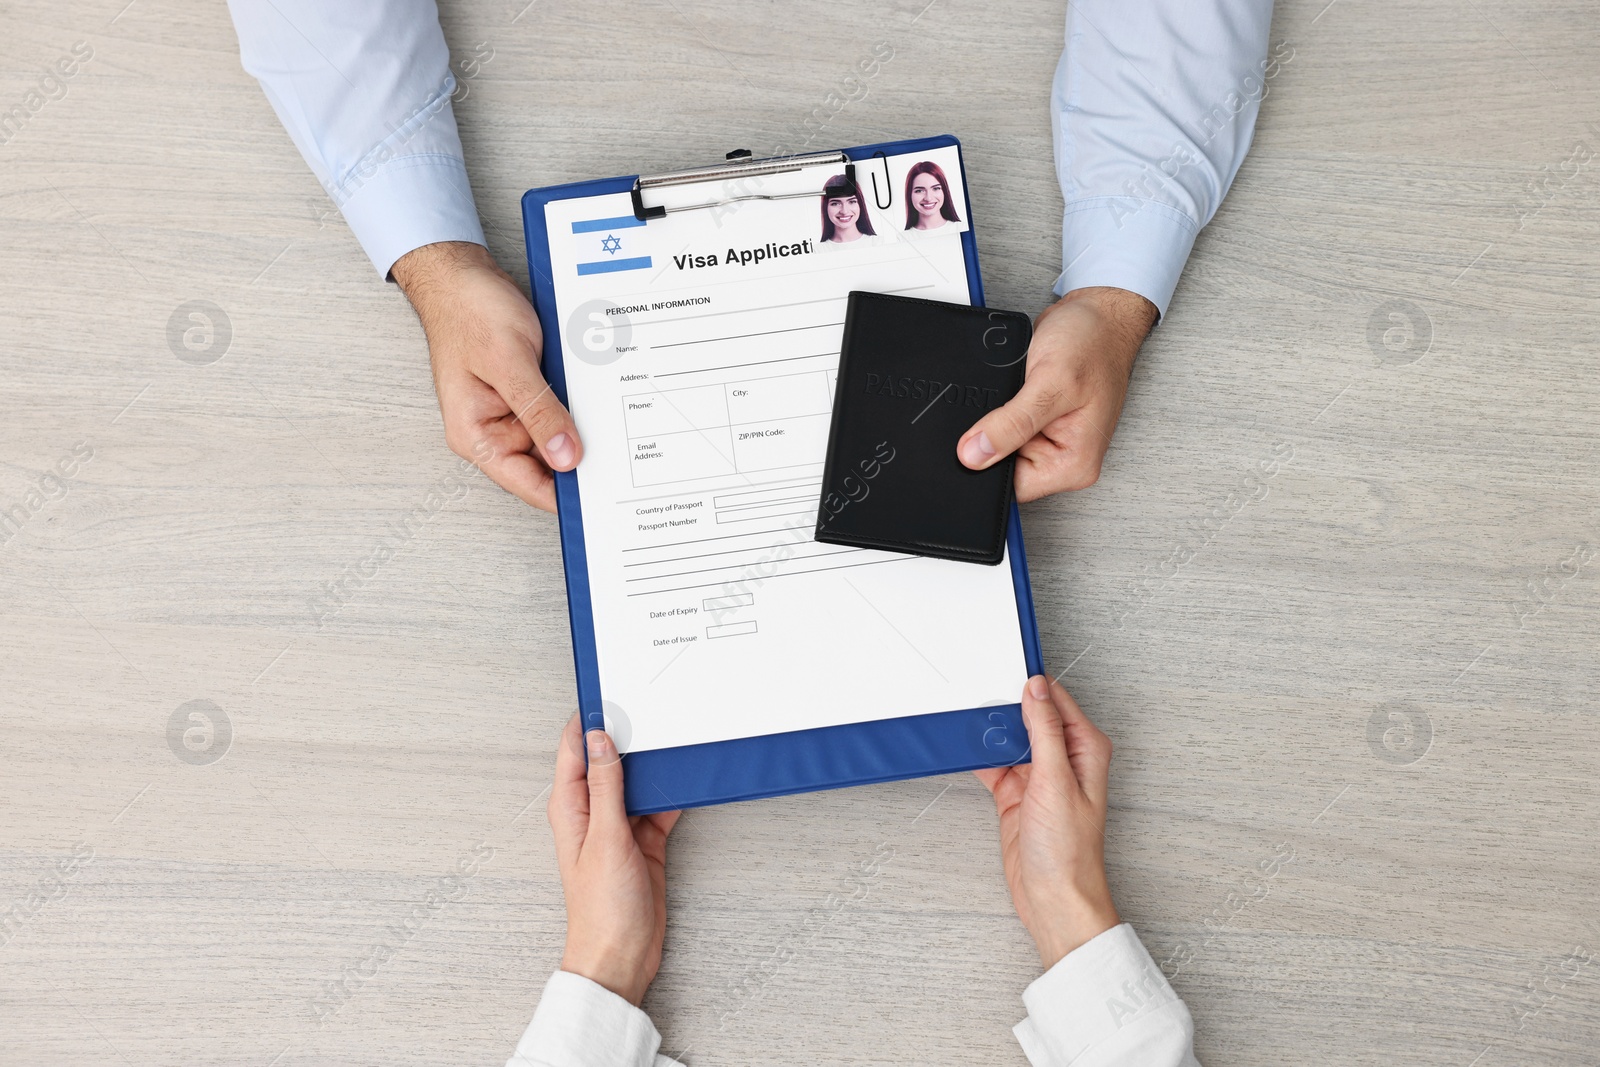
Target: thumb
[548,423]
[607,813]
[1010,426]
[1047,737]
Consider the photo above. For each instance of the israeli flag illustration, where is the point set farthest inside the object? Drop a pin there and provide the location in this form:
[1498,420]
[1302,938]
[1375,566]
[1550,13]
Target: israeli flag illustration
[603,246]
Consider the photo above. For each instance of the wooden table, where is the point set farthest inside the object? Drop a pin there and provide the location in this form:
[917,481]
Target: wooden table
[1377,665]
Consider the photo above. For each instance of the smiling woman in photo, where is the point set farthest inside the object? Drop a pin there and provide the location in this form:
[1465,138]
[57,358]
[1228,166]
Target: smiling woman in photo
[928,204]
[844,215]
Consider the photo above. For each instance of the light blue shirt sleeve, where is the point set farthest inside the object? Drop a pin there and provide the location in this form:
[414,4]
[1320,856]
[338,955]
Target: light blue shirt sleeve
[363,87]
[1154,105]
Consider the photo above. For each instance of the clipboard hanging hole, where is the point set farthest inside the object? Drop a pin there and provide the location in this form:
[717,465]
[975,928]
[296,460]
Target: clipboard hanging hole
[879,154]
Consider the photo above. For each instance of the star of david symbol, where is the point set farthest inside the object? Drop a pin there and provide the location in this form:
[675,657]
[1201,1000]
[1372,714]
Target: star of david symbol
[611,243]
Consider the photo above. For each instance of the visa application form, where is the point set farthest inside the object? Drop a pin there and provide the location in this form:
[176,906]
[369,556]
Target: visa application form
[701,352]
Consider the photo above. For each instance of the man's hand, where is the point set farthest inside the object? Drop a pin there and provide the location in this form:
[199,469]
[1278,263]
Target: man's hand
[1061,423]
[613,869]
[484,342]
[1052,824]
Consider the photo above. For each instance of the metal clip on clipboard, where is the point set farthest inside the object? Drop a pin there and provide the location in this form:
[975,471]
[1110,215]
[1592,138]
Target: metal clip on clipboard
[740,166]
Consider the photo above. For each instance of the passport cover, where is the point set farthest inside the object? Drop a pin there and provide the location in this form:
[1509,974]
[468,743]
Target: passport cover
[914,375]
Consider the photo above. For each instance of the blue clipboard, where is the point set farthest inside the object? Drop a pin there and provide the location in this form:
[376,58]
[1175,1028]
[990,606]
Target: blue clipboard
[749,768]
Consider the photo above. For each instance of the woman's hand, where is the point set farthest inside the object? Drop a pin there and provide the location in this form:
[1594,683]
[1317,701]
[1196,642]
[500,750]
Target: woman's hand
[484,341]
[1061,423]
[613,869]
[1052,823]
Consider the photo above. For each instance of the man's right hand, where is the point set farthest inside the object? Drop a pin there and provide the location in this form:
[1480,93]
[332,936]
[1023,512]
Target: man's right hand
[484,342]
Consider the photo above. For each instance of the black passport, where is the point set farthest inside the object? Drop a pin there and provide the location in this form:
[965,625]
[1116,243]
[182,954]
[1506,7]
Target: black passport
[914,375]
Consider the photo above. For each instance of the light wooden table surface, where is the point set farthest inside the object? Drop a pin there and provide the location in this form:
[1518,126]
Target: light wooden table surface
[1383,668]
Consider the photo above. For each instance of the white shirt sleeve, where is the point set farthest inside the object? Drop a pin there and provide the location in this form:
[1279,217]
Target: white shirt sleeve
[363,87]
[1154,105]
[580,1023]
[1106,1004]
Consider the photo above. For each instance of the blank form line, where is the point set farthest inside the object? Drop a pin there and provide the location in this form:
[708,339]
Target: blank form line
[798,508]
[735,366]
[742,336]
[737,489]
[725,537]
[780,574]
[726,566]
[730,509]
[808,487]
[703,555]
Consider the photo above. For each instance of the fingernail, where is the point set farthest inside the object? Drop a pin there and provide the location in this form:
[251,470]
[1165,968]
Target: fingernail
[597,743]
[559,449]
[1038,688]
[977,451]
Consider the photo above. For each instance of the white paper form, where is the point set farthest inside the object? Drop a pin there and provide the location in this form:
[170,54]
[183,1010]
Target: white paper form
[701,352]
